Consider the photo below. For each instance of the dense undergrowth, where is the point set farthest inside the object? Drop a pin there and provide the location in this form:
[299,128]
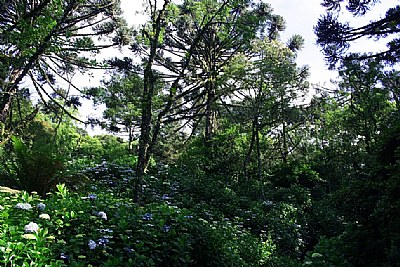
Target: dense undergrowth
[183,222]
[199,210]
[101,227]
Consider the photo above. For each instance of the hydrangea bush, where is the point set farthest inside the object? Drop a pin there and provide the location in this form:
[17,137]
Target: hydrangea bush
[99,228]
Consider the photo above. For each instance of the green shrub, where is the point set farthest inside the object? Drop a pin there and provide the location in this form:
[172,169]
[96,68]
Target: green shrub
[103,229]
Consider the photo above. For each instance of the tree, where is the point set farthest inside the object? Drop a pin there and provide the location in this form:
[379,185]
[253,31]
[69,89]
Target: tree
[335,37]
[272,85]
[235,25]
[46,41]
[150,45]
[368,100]
[121,96]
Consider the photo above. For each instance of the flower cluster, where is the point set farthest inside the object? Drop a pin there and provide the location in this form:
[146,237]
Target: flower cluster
[92,196]
[23,206]
[147,217]
[103,241]
[92,244]
[31,228]
[166,197]
[166,228]
[44,216]
[41,206]
[64,257]
[268,203]
[102,215]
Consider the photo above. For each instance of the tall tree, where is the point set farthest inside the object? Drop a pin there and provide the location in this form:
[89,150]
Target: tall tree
[46,40]
[150,45]
[229,34]
[269,93]
[368,99]
[121,96]
[335,37]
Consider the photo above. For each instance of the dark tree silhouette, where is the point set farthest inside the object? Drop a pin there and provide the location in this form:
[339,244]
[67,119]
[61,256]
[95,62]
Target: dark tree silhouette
[335,37]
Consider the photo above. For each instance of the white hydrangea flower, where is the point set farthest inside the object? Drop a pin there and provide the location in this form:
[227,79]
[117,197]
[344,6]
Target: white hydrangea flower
[102,215]
[1,207]
[44,216]
[31,227]
[23,206]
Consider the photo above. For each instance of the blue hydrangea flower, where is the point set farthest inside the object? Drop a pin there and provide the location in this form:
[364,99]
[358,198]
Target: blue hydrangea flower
[189,217]
[166,197]
[23,206]
[105,231]
[92,245]
[148,217]
[41,206]
[31,227]
[166,228]
[92,196]
[103,241]
[128,250]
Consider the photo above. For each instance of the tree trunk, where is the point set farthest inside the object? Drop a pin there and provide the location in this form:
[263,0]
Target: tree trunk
[259,165]
[10,89]
[145,130]
[210,116]
[149,79]
[284,144]
[248,155]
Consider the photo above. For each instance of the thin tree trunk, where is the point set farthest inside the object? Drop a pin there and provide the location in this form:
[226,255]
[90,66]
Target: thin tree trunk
[285,147]
[248,155]
[145,130]
[147,101]
[259,169]
[209,123]
[130,139]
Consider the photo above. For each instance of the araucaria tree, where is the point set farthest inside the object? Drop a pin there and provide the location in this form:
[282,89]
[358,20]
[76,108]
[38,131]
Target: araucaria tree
[230,33]
[335,37]
[191,44]
[47,40]
[151,46]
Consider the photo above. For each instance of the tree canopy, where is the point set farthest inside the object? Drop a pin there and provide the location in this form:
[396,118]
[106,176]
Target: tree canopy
[47,41]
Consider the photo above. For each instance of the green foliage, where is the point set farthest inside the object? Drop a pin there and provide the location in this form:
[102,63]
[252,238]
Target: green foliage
[103,229]
[276,182]
[93,150]
[46,41]
[33,163]
[328,252]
